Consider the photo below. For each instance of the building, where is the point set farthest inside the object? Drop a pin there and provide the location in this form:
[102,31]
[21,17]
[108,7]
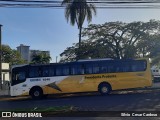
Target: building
[5,81]
[28,54]
[24,51]
[5,72]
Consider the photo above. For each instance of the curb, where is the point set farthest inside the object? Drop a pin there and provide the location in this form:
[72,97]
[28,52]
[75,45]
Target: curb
[148,88]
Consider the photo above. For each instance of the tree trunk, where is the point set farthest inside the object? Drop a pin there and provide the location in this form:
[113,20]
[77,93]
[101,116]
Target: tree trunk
[80,31]
[117,50]
[79,54]
[117,53]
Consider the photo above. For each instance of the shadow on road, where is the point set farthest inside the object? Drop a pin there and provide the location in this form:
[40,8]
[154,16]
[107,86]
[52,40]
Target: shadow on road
[84,95]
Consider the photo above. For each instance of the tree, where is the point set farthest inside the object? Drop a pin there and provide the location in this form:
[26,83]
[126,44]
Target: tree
[121,37]
[11,56]
[116,40]
[153,48]
[41,58]
[76,11]
[88,50]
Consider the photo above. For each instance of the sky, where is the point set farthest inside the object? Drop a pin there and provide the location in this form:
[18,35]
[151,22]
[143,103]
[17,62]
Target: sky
[47,28]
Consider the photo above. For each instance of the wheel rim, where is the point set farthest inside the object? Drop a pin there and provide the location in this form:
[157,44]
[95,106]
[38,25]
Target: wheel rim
[36,93]
[104,89]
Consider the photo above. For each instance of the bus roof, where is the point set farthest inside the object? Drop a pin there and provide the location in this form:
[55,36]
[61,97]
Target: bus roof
[14,66]
[100,59]
[73,62]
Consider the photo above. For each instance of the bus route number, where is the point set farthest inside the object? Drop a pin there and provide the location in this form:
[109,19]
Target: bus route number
[46,79]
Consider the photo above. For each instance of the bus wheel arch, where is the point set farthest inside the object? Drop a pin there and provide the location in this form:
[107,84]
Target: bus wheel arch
[36,92]
[104,88]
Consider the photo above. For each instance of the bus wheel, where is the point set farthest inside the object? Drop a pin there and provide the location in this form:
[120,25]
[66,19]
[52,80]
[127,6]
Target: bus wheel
[36,93]
[104,88]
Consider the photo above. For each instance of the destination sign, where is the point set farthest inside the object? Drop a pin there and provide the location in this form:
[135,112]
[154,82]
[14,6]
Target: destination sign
[100,76]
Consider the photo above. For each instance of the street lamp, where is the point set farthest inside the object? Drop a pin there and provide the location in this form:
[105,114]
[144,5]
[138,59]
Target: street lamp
[0,57]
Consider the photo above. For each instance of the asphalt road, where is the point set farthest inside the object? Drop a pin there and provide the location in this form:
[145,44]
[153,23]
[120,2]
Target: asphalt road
[117,101]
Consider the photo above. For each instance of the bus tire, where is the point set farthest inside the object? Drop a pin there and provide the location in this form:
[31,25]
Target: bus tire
[104,88]
[36,93]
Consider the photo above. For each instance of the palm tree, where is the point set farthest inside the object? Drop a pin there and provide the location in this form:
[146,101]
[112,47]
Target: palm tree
[76,11]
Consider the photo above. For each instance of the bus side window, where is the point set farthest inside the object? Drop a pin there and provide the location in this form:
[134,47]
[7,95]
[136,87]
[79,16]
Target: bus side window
[82,69]
[119,67]
[126,67]
[35,72]
[139,66]
[103,69]
[96,68]
[73,71]
[59,70]
[88,69]
[144,65]
[51,71]
[77,70]
[111,69]
[45,72]
[65,70]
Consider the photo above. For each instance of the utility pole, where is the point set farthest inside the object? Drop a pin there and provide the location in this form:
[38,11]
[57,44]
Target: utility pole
[0,57]
[56,58]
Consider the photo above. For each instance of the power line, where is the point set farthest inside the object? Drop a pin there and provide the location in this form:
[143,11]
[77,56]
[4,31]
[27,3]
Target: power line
[88,1]
[103,4]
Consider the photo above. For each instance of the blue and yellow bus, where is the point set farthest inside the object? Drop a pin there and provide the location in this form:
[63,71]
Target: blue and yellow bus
[103,75]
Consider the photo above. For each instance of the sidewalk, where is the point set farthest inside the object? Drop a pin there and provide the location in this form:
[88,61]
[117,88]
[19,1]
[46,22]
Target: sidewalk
[156,85]
[5,89]
[4,93]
